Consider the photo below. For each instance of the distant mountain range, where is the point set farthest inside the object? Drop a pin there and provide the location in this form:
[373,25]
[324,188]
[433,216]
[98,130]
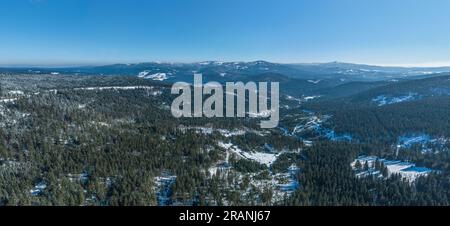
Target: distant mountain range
[216,70]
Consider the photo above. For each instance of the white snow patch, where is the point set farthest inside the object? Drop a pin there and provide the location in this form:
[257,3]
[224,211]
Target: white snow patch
[115,88]
[10,100]
[38,189]
[143,74]
[386,100]
[315,81]
[406,170]
[310,97]
[263,158]
[155,77]
[261,114]
[16,92]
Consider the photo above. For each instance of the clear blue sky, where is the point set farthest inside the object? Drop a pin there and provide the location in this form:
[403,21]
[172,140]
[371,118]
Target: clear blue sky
[65,32]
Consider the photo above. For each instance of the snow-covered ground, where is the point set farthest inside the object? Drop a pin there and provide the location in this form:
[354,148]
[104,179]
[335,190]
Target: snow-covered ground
[164,188]
[222,167]
[289,97]
[224,132]
[10,117]
[260,157]
[82,177]
[151,91]
[290,180]
[156,76]
[387,100]
[426,142]
[262,114]
[440,91]
[115,88]
[9,100]
[302,99]
[408,141]
[406,170]
[38,189]
[333,136]
[313,122]
[314,81]
[143,74]
[282,184]
[16,92]
[100,124]
[228,133]
[310,97]
[307,143]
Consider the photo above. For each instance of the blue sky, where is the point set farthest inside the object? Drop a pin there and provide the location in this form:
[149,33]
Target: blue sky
[69,32]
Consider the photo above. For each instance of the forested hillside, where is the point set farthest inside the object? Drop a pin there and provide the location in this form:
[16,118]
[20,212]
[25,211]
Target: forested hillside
[111,140]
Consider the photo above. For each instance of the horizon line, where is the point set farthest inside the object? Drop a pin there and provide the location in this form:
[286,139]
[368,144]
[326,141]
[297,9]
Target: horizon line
[68,65]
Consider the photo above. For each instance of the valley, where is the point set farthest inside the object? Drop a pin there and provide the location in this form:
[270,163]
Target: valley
[348,135]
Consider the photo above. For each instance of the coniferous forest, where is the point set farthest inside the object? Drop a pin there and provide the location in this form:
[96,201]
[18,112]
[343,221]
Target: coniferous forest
[95,140]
